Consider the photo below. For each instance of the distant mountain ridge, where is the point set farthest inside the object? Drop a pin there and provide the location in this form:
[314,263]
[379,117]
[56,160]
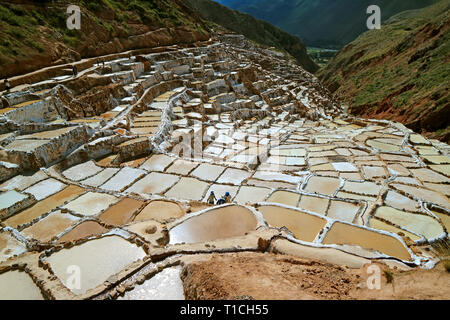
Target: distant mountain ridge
[256,30]
[326,23]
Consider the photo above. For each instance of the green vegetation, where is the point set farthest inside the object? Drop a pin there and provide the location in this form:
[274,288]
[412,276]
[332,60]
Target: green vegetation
[322,23]
[34,29]
[321,56]
[402,68]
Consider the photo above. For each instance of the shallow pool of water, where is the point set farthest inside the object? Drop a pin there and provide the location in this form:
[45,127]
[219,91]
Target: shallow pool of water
[97,260]
[304,226]
[222,223]
[165,285]
[341,233]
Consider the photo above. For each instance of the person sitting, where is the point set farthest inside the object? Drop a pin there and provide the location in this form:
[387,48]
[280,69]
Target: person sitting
[226,199]
[212,198]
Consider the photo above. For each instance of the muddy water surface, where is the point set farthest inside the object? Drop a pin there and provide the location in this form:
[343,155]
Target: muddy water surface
[222,223]
[304,226]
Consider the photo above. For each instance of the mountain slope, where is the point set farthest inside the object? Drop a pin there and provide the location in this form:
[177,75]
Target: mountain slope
[322,22]
[256,30]
[401,72]
[33,34]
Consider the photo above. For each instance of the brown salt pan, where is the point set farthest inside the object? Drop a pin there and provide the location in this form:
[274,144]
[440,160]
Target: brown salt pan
[160,211]
[44,206]
[341,233]
[49,227]
[304,226]
[222,223]
[122,212]
[84,230]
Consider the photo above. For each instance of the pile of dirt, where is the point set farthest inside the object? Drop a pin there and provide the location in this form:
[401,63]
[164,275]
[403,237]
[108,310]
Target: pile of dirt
[274,277]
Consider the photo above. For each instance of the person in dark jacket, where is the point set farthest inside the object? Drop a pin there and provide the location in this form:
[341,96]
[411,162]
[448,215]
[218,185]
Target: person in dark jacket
[74,70]
[226,199]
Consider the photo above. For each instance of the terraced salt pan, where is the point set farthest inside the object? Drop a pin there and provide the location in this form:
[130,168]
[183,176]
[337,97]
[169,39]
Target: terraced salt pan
[383,146]
[249,194]
[182,167]
[437,159]
[121,212]
[10,198]
[122,179]
[322,185]
[444,169]
[427,175]
[18,285]
[284,197]
[91,203]
[97,259]
[160,211]
[157,162]
[215,224]
[45,188]
[288,152]
[424,194]
[346,195]
[276,176]
[50,226]
[314,204]
[344,167]
[100,178]
[153,183]
[82,231]
[366,188]
[144,131]
[304,226]
[417,223]
[399,201]
[442,188]
[445,219]
[188,189]
[208,172]
[380,225]
[345,234]
[82,171]
[343,211]
[44,206]
[21,182]
[233,176]
[48,135]
[25,145]
[10,246]
[165,285]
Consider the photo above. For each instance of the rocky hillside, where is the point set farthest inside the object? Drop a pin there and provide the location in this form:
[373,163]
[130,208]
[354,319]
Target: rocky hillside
[254,29]
[33,34]
[327,23]
[400,72]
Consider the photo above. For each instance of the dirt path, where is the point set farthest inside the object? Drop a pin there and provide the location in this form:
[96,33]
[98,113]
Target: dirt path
[279,277]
